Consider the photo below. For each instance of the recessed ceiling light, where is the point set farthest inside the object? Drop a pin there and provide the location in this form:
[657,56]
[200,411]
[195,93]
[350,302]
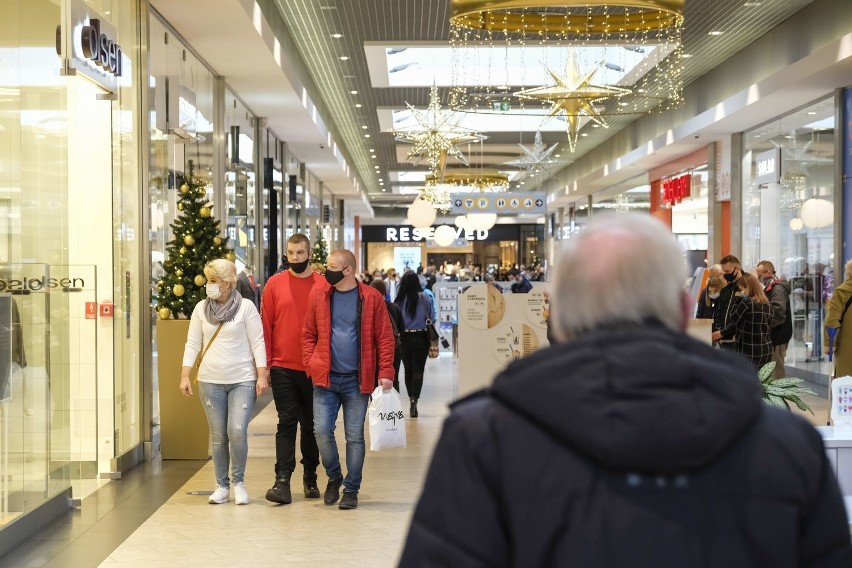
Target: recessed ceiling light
[752,4]
[373,156]
[372,149]
[344,58]
[557,156]
[337,36]
[353,92]
[686,55]
[364,127]
[383,189]
[358,105]
[366,136]
[715,33]
[813,112]
[584,134]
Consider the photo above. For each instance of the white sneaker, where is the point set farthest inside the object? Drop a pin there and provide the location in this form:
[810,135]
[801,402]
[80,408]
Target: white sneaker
[219,496]
[240,494]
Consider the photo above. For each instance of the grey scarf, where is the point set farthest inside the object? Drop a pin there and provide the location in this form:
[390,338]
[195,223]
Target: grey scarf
[217,313]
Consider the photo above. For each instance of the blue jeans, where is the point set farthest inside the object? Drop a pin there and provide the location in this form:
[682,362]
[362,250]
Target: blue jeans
[346,392]
[228,409]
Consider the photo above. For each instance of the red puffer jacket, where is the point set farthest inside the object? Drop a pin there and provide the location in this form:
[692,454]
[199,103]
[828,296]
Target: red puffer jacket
[375,337]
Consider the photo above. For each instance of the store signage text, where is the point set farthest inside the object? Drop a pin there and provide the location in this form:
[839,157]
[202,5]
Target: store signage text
[677,189]
[414,234]
[99,48]
[36,284]
[768,167]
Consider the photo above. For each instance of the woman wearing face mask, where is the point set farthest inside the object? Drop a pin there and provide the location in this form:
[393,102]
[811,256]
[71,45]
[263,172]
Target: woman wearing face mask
[707,307]
[749,322]
[227,329]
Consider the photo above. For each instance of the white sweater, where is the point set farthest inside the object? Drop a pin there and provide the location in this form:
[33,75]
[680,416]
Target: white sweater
[236,352]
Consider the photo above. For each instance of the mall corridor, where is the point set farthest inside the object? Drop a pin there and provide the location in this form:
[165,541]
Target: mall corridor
[186,531]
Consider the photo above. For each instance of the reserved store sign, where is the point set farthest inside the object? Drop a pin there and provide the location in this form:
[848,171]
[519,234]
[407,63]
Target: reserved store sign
[413,234]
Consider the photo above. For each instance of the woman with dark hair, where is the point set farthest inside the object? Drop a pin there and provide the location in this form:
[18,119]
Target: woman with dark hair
[397,323]
[416,311]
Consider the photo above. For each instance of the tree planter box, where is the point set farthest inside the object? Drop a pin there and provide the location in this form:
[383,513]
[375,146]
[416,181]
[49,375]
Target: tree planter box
[184,434]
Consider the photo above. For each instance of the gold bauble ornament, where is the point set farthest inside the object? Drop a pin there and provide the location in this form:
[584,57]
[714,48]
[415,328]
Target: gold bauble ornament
[184,188]
[231,256]
[200,280]
[182,250]
[217,241]
[178,290]
[205,212]
[180,206]
[164,313]
[189,240]
[179,272]
[160,283]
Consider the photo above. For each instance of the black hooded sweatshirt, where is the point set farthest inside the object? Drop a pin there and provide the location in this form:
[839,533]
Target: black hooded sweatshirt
[629,447]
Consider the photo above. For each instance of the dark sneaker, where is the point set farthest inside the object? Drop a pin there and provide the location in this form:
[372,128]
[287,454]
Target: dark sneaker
[311,489]
[280,492]
[349,500]
[332,491]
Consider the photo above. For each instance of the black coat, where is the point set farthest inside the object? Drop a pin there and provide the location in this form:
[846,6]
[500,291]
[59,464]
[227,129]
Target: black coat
[629,447]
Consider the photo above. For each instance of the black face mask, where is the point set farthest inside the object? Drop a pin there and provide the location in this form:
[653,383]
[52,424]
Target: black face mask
[731,277]
[333,276]
[299,267]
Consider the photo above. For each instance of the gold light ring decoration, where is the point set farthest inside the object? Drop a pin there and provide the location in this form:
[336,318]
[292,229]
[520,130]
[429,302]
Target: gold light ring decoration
[484,180]
[519,16]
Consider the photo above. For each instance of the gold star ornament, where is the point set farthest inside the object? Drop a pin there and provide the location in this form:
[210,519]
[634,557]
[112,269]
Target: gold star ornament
[436,135]
[575,95]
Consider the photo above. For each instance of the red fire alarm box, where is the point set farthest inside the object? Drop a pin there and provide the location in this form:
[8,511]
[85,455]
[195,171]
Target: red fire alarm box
[91,310]
[106,309]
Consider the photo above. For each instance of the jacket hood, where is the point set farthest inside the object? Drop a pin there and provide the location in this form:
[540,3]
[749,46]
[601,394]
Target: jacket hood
[784,284]
[640,398]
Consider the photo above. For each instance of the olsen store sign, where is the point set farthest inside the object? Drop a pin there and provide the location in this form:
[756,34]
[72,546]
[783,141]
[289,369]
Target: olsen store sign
[89,44]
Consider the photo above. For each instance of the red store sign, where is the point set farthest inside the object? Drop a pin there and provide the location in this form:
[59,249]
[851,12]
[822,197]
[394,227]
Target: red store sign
[677,189]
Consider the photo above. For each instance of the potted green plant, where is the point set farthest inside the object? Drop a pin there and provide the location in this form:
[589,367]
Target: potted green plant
[781,392]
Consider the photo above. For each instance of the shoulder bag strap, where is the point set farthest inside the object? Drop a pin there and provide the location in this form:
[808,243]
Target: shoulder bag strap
[209,343]
[845,308]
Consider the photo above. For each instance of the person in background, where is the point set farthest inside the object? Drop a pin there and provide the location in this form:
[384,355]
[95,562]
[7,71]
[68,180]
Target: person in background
[489,279]
[392,284]
[283,307]
[781,324]
[247,286]
[226,328]
[520,284]
[629,443]
[347,341]
[748,322]
[430,277]
[715,270]
[422,277]
[837,316]
[398,324]
[707,306]
[731,272]
[416,309]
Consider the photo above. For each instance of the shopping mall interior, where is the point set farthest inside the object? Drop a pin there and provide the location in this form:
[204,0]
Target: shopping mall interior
[465,139]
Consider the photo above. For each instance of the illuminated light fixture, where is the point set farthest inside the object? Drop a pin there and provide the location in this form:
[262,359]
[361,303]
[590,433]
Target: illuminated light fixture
[796,224]
[437,135]
[715,33]
[477,180]
[566,16]
[421,214]
[337,36]
[364,126]
[358,105]
[481,221]
[366,136]
[353,92]
[633,45]
[444,236]
[536,158]
[461,222]
[344,58]
[817,213]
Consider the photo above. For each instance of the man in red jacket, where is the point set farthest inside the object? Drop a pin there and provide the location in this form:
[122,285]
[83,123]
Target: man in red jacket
[283,307]
[347,341]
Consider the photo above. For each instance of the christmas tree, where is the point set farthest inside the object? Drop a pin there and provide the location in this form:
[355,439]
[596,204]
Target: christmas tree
[196,242]
[320,255]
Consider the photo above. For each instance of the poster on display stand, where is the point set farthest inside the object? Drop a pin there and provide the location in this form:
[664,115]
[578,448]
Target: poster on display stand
[495,329]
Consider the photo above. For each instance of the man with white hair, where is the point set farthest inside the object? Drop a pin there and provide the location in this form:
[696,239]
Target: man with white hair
[627,443]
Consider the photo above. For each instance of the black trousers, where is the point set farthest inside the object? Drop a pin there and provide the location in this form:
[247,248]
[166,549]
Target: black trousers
[414,351]
[293,394]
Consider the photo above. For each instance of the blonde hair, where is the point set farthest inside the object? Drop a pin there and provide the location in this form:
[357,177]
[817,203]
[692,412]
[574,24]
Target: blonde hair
[223,269]
[752,286]
[848,268]
[715,282]
[592,288]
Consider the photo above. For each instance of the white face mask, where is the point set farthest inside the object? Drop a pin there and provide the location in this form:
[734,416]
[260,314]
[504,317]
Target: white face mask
[714,296]
[213,290]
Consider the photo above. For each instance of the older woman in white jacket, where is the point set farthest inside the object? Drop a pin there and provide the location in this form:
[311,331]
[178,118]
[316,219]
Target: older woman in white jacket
[232,373]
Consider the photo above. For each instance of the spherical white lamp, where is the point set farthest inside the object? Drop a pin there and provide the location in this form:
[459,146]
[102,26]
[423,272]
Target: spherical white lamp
[817,213]
[796,224]
[444,236]
[481,221]
[461,222]
[421,214]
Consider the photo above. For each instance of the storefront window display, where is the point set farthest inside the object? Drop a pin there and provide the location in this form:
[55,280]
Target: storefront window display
[240,180]
[788,217]
[70,400]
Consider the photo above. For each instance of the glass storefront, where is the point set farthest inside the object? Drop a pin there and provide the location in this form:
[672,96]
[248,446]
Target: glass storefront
[70,387]
[240,180]
[788,218]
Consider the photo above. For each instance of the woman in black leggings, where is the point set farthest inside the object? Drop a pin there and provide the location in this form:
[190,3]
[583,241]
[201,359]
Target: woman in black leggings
[416,310]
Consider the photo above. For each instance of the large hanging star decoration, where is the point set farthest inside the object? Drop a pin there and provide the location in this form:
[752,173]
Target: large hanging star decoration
[575,95]
[437,135]
[536,160]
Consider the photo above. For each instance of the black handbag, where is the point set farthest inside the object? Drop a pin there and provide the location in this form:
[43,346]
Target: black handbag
[434,349]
